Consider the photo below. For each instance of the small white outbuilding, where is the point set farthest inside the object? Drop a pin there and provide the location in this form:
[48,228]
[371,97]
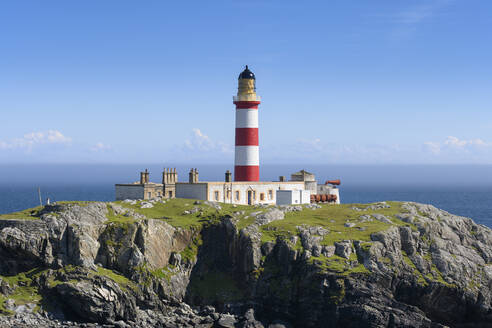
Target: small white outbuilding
[293,197]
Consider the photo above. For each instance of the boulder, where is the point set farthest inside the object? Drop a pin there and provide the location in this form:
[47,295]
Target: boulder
[343,248]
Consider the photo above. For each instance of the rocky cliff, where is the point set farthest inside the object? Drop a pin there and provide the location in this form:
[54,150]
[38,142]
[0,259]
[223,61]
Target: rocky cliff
[182,263]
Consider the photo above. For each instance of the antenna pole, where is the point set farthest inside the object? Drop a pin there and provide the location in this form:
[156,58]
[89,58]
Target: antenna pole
[39,194]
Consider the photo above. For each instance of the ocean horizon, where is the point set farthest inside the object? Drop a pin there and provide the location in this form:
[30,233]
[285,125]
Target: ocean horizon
[464,190]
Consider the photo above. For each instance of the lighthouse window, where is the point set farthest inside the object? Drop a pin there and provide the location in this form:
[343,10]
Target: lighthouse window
[216,195]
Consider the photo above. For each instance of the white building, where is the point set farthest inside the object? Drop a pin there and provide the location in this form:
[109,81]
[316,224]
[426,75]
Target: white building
[280,192]
[237,192]
[293,197]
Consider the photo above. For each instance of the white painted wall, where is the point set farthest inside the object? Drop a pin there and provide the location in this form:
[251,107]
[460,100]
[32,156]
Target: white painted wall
[247,155]
[256,189]
[199,191]
[305,196]
[335,191]
[246,118]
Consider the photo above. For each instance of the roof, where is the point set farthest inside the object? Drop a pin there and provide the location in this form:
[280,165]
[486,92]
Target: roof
[302,172]
[244,182]
[247,74]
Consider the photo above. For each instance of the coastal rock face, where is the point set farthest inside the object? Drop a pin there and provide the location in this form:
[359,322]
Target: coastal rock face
[377,265]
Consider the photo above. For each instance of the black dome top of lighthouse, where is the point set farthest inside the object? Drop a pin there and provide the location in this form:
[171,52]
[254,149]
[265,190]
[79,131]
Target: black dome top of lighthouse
[247,74]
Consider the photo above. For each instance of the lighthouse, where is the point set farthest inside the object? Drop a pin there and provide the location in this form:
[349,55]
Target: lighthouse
[247,158]
[246,188]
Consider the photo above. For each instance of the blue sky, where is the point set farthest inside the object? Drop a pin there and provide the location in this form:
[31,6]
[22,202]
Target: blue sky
[370,82]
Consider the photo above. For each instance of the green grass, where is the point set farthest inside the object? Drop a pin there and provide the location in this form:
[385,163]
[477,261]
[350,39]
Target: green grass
[28,214]
[333,218]
[420,277]
[437,277]
[338,265]
[173,210]
[112,217]
[164,273]
[121,280]
[34,213]
[74,202]
[25,291]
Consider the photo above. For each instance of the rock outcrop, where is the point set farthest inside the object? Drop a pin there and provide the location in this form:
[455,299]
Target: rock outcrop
[128,265]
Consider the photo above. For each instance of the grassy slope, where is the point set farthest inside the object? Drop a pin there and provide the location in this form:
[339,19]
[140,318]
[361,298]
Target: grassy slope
[333,218]
[29,214]
[173,210]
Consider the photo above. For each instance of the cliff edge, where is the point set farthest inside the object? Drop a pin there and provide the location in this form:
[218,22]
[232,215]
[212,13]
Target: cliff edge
[185,263]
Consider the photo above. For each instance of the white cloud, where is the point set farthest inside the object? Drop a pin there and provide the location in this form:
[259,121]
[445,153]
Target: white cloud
[457,143]
[199,147]
[199,141]
[318,150]
[432,147]
[450,150]
[453,149]
[30,140]
[100,147]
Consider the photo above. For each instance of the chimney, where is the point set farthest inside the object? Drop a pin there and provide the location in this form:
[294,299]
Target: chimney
[228,176]
[193,176]
[281,178]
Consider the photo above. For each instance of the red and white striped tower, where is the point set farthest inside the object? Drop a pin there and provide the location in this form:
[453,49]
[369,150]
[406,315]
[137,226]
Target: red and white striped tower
[247,158]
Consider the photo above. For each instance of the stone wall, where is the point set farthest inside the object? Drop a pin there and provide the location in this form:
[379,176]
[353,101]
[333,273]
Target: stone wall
[138,191]
[191,190]
[123,192]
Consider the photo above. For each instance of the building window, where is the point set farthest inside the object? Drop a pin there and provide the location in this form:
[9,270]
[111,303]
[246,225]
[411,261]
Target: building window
[254,194]
[237,195]
[228,194]
[170,194]
[216,196]
[262,196]
[149,195]
[270,194]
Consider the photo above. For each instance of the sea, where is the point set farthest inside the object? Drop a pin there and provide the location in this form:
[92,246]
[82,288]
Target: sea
[464,190]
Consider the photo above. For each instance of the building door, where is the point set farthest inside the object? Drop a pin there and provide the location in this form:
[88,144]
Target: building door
[250,197]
